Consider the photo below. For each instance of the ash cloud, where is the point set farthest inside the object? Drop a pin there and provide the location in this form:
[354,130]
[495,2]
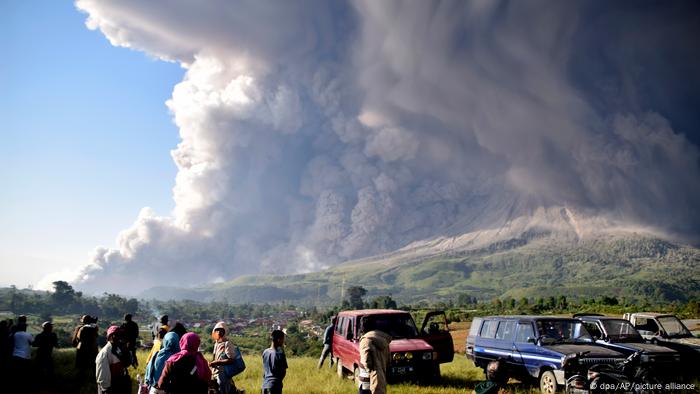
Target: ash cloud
[313,133]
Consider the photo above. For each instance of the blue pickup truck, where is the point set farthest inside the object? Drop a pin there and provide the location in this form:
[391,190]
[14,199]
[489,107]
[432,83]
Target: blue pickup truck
[534,347]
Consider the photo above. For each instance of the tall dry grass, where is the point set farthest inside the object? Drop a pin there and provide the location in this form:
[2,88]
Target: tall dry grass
[303,377]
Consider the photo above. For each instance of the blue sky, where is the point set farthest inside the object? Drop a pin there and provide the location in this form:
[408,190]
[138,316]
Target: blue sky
[86,138]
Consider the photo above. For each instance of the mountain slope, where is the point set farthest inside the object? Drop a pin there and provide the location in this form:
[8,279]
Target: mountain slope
[550,252]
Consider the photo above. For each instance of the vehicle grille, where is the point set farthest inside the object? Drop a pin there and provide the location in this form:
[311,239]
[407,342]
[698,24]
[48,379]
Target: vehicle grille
[599,360]
[664,358]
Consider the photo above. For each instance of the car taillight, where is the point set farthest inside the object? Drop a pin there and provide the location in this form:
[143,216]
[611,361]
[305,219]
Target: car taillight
[578,383]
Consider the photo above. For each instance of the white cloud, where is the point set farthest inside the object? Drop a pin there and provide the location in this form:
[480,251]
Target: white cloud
[315,132]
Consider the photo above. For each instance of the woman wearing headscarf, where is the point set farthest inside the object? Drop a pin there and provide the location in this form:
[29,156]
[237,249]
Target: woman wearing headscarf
[186,371]
[154,368]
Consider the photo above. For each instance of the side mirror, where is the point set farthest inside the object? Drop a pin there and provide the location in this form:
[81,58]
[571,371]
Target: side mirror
[531,340]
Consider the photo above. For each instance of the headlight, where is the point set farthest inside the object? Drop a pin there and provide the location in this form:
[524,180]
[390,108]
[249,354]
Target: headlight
[427,356]
[566,359]
[398,357]
[409,355]
[646,358]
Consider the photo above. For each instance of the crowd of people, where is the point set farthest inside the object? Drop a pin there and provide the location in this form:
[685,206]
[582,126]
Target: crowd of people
[16,360]
[175,364]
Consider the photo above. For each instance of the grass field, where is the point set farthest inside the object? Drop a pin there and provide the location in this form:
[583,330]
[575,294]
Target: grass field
[459,376]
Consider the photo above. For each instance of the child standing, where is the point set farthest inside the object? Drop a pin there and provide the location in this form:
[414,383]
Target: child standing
[274,364]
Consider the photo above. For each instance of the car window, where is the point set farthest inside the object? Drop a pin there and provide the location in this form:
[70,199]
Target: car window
[505,330]
[593,329]
[673,326]
[350,332]
[488,329]
[341,325]
[564,330]
[621,331]
[524,332]
[399,326]
[644,324]
[476,325]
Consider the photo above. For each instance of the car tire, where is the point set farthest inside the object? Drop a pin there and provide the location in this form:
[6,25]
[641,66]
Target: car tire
[548,382]
[340,370]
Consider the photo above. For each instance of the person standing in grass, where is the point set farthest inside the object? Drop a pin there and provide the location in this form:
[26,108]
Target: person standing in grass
[274,364]
[157,343]
[110,371]
[186,372]
[21,357]
[327,344]
[374,354]
[131,331]
[154,368]
[45,341]
[85,340]
[224,354]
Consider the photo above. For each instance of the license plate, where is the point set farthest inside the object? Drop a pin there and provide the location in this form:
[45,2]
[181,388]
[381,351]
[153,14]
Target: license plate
[401,370]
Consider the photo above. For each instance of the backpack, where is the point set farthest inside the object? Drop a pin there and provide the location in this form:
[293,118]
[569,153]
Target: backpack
[183,378]
[238,365]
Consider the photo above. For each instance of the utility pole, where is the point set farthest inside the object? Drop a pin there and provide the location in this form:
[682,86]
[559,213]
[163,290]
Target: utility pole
[342,291]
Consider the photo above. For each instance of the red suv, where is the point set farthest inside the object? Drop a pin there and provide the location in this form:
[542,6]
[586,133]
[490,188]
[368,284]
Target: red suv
[414,353]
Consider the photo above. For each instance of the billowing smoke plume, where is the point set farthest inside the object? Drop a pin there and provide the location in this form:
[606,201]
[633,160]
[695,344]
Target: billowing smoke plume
[316,132]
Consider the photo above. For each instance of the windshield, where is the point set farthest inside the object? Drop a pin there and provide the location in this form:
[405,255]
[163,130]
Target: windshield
[563,330]
[399,326]
[673,327]
[621,331]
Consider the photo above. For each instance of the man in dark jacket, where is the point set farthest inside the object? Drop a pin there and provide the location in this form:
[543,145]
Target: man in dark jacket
[131,333]
[327,344]
[45,341]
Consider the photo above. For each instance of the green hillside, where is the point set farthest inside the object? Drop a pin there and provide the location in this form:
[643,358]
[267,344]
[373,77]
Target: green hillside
[632,267]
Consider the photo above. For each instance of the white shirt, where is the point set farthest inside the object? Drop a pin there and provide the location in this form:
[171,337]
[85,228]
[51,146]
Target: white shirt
[23,344]
[103,374]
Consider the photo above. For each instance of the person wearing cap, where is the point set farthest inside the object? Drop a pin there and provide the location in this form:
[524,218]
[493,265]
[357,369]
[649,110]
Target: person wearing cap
[110,372]
[224,353]
[45,341]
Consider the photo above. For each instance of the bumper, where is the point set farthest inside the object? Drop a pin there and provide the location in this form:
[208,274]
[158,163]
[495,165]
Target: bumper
[559,374]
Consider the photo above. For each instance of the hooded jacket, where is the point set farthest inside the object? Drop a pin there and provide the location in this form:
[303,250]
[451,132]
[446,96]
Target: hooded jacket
[170,346]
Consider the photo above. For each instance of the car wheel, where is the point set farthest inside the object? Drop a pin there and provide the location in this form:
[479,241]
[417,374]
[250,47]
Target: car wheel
[548,382]
[340,370]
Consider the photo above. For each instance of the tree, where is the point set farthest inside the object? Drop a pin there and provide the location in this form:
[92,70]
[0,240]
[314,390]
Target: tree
[383,302]
[64,296]
[562,304]
[355,294]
